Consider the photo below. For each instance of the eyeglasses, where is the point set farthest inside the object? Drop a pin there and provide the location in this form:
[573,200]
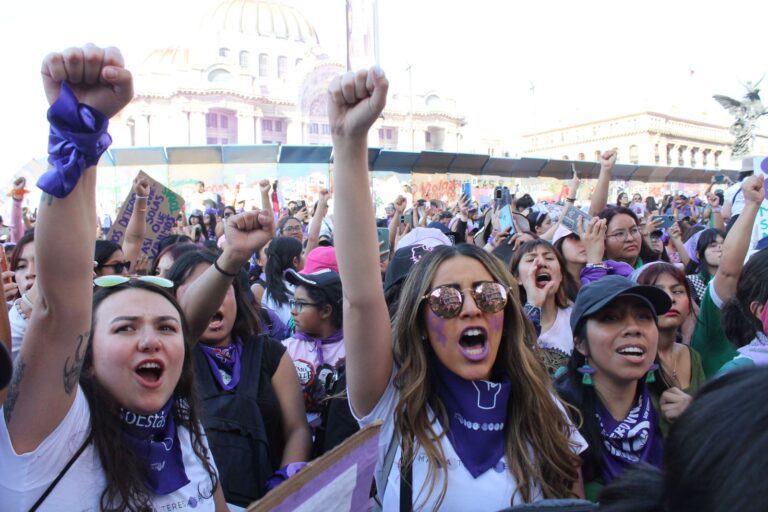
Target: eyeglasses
[447,301]
[291,229]
[118,267]
[623,234]
[298,305]
[109,281]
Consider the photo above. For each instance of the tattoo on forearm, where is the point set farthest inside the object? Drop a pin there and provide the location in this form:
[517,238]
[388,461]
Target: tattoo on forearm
[72,372]
[13,390]
[48,198]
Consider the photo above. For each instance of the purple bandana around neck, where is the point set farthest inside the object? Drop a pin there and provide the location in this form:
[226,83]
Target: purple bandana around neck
[319,342]
[154,440]
[477,412]
[225,363]
[632,440]
[757,350]
[78,137]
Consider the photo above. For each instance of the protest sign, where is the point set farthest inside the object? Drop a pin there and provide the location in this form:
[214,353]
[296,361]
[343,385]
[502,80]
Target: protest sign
[340,480]
[163,206]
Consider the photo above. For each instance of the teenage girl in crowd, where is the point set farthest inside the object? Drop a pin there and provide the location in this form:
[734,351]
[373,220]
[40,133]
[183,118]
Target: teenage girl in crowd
[615,339]
[317,345]
[253,413]
[456,355]
[705,261]
[539,269]
[681,363]
[283,253]
[745,316]
[97,385]
[709,339]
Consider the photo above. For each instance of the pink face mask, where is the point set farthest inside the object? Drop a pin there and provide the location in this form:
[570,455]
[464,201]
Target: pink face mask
[764,318]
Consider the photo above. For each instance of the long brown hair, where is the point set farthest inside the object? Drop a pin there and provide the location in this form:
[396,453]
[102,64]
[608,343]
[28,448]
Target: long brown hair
[538,449]
[561,296]
[124,474]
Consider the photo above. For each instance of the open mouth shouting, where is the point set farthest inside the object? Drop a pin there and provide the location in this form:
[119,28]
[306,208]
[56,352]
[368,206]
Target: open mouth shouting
[543,277]
[473,343]
[632,353]
[150,373]
[217,321]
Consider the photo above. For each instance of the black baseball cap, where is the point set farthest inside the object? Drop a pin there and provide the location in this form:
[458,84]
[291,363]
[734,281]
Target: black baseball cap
[598,294]
[402,263]
[326,280]
[6,368]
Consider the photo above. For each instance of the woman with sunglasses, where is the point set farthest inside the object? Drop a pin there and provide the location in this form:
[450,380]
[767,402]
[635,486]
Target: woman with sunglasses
[611,376]
[468,411]
[101,413]
[253,411]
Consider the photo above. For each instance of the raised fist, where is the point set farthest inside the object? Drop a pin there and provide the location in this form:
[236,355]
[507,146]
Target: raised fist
[97,77]
[355,101]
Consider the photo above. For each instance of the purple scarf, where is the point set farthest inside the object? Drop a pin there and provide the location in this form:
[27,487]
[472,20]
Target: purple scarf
[155,442]
[632,440]
[319,342]
[757,350]
[225,363]
[477,412]
[78,137]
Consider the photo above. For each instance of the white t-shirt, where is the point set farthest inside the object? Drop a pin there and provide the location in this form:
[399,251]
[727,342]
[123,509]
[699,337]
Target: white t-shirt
[737,201]
[24,478]
[18,328]
[283,312]
[559,336]
[490,491]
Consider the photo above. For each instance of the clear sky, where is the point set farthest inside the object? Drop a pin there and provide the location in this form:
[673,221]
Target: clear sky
[587,59]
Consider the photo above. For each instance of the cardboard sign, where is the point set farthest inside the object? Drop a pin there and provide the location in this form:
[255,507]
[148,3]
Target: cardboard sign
[163,206]
[340,480]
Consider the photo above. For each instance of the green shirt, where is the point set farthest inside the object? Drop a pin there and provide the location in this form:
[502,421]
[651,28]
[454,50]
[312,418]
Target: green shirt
[697,380]
[708,337]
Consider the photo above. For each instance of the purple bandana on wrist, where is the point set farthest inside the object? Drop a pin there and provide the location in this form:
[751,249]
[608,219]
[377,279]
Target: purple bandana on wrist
[154,440]
[319,342]
[225,363]
[477,412]
[632,440]
[77,139]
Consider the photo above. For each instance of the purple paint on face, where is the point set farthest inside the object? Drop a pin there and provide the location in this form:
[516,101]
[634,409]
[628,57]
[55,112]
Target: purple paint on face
[436,326]
[496,322]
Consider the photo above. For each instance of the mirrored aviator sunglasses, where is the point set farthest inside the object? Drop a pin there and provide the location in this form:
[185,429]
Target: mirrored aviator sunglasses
[108,281]
[447,301]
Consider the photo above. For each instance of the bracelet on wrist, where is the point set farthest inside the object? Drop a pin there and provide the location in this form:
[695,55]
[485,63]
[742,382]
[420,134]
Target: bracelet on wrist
[597,265]
[140,197]
[571,199]
[222,271]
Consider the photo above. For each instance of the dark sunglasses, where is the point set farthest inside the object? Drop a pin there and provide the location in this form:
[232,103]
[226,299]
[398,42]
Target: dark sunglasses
[118,267]
[447,301]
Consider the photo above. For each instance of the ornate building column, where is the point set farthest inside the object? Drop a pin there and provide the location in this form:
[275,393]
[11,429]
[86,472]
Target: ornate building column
[258,133]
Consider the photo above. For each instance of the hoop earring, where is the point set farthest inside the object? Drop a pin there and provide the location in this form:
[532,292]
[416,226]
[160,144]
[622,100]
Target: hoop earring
[586,372]
[651,375]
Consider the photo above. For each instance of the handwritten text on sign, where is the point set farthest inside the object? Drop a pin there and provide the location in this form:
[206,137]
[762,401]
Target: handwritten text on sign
[163,206]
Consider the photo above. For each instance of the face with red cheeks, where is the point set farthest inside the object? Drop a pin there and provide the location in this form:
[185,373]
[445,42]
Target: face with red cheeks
[138,349]
[468,343]
[621,340]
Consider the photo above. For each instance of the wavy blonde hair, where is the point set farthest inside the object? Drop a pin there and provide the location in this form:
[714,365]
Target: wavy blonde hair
[537,433]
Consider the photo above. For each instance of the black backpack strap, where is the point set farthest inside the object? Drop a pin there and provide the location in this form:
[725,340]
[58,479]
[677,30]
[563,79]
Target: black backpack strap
[61,474]
[406,487]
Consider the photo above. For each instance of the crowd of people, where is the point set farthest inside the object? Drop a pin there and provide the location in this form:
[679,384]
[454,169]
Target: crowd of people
[517,353]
